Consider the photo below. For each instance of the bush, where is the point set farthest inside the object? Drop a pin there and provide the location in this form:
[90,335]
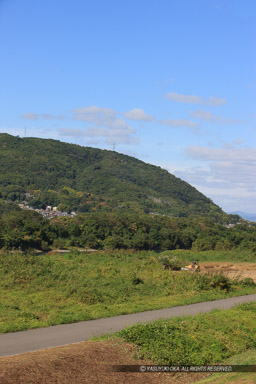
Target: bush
[220,281]
[174,263]
[59,244]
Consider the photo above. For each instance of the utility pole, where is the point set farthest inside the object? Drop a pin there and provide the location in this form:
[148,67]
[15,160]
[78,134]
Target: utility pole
[25,131]
[114,146]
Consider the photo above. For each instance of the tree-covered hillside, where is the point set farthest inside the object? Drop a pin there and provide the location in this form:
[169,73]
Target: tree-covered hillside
[59,173]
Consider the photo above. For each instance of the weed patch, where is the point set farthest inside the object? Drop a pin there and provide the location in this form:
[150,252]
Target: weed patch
[200,340]
[38,291]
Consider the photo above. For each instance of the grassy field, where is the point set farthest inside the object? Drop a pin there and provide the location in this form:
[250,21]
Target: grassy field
[245,358]
[43,290]
[199,340]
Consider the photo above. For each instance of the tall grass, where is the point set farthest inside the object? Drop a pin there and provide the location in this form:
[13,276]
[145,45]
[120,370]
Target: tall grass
[44,290]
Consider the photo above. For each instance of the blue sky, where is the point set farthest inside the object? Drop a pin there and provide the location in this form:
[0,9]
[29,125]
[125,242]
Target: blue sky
[172,83]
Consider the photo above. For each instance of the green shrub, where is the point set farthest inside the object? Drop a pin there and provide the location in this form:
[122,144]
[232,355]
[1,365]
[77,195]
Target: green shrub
[248,281]
[173,263]
[203,282]
[220,281]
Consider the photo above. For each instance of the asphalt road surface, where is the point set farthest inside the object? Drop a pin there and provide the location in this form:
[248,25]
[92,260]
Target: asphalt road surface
[59,335]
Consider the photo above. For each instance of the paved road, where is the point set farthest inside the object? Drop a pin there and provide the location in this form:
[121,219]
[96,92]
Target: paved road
[58,335]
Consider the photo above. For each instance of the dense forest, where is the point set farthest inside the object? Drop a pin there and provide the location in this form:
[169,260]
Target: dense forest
[105,230]
[121,202]
[83,179]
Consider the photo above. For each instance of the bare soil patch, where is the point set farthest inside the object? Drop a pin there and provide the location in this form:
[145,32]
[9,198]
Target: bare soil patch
[232,270]
[60,251]
[89,362]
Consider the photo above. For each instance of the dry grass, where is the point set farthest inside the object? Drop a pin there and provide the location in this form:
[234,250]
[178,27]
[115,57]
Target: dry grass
[89,362]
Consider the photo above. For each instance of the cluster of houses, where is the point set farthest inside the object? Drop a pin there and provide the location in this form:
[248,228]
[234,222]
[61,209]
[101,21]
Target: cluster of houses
[229,225]
[49,212]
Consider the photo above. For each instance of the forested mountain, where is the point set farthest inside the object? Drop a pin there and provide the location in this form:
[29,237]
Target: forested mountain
[88,179]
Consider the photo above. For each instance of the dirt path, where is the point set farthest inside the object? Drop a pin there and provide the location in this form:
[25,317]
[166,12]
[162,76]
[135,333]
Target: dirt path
[240,270]
[59,335]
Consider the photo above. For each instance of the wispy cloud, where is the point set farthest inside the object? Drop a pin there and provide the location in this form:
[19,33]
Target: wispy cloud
[37,116]
[97,135]
[30,116]
[139,115]
[105,127]
[183,123]
[99,116]
[48,116]
[235,155]
[250,85]
[212,118]
[193,99]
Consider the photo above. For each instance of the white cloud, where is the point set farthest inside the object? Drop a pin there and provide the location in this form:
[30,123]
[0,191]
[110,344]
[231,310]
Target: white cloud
[193,99]
[212,118]
[99,116]
[238,199]
[139,115]
[228,176]
[109,128]
[247,156]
